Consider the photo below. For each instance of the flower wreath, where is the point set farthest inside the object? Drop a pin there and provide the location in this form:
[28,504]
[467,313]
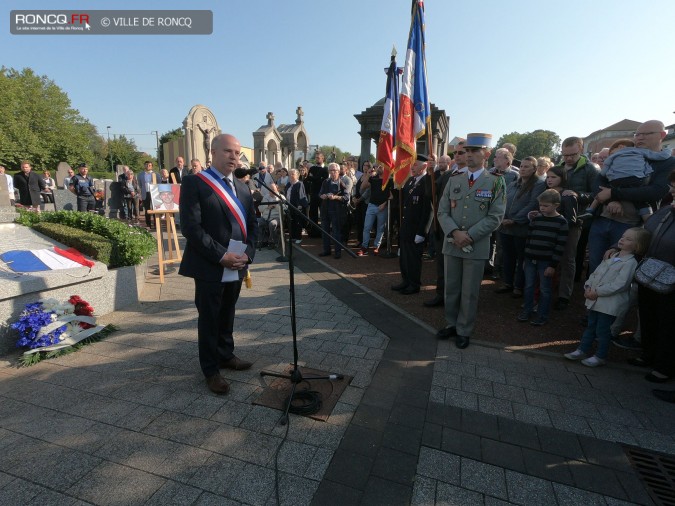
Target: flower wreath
[54,327]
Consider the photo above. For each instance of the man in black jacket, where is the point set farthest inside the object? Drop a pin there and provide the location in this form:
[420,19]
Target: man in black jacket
[415,215]
[318,173]
[216,209]
[29,185]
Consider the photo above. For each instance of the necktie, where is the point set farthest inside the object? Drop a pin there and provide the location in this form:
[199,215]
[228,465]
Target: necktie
[236,231]
[229,186]
[471,181]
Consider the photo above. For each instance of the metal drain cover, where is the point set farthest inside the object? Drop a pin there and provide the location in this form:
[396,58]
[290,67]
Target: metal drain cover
[657,471]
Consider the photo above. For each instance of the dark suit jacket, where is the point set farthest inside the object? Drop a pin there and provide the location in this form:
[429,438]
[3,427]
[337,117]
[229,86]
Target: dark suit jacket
[29,189]
[179,175]
[205,223]
[416,209]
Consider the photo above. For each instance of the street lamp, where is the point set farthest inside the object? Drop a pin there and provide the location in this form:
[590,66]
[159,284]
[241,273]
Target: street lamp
[112,169]
[159,160]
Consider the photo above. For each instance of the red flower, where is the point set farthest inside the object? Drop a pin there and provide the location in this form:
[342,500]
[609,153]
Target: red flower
[82,308]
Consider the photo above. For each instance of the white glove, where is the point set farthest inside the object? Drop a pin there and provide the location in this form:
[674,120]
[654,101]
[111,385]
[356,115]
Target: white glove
[419,239]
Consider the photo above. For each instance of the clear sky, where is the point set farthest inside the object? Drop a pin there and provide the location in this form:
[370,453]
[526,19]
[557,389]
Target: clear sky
[495,66]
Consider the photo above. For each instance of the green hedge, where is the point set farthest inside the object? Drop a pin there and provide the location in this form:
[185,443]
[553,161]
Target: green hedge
[94,245]
[130,245]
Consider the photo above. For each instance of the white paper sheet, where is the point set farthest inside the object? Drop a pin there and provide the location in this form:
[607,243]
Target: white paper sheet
[238,248]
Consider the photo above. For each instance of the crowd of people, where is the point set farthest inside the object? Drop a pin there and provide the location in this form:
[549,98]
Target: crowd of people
[530,224]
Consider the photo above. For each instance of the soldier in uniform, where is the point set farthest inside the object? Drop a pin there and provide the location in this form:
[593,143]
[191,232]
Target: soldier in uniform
[471,208]
[415,215]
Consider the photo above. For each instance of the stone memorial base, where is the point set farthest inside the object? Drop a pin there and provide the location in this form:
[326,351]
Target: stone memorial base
[107,290]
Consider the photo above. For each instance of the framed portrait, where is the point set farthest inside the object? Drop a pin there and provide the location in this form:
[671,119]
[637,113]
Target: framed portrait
[165,197]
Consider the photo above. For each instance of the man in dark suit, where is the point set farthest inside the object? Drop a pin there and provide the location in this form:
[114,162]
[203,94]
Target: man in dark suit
[179,171]
[215,209]
[415,215]
[29,185]
[318,173]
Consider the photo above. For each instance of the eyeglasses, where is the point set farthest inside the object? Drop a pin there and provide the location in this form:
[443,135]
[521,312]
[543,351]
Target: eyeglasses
[571,155]
[460,152]
[644,134]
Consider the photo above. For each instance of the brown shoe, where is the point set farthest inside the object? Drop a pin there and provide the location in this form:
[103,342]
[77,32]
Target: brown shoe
[217,384]
[235,363]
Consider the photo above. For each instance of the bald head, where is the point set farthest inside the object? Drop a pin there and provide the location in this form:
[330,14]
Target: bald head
[444,162]
[650,134]
[225,151]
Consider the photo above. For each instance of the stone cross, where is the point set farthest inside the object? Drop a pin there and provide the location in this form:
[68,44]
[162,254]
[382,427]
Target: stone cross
[270,119]
[300,114]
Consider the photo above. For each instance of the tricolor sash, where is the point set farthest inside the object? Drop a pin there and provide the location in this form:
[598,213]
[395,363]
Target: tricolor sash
[212,178]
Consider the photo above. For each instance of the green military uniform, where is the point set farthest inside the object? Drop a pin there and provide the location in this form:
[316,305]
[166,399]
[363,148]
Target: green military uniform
[477,210]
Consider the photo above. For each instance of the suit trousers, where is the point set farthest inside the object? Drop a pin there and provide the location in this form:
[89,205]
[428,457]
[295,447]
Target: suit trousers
[568,263]
[215,303]
[462,286]
[411,262]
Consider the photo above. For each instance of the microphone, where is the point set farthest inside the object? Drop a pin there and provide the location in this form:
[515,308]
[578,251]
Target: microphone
[241,172]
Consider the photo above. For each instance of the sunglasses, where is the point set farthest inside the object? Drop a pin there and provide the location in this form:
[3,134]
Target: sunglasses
[460,152]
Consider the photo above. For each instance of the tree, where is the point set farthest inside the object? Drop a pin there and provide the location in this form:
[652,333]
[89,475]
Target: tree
[539,143]
[124,152]
[37,123]
[536,143]
[332,153]
[168,137]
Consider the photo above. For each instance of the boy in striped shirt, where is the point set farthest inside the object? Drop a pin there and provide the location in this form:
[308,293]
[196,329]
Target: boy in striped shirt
[544,247]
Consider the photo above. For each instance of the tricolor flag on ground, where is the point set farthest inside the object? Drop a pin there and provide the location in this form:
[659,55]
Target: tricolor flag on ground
[414,118]
[385,146]
[47,259]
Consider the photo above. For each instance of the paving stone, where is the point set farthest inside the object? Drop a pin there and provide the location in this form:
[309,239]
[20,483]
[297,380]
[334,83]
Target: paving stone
[596,479]
[174,493]
[101,485]
[432,435]
[570,496]
[613,432]
[447,380]
[383,492]
[461,443]
[634,488]
[605,453]
[371,417]
[424,491]
[254,485]
[518,433]
[526,490]
[483,478]
[408,416]
[294,457]
[461,399]
[490,374]
[560,443]
[494,406]
[318,464]
[477,385]
[438,465]
[531,414]
[402,438]
[450,494]
[449,416]
[362,440]
[570,423]
[413,397]
[547,466]
[509,392]
[481,424]
[294,490]
[350,469]
[542,399]
[394,465]
[19,492]
[502,454]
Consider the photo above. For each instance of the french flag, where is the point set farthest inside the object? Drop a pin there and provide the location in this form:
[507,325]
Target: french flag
[385,146]
[414,118]
[46,259]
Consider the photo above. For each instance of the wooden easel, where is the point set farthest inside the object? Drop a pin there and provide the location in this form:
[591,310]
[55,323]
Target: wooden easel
[173,255]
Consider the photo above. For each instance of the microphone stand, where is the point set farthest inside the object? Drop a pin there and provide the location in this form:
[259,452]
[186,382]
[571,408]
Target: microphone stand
[295,377]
